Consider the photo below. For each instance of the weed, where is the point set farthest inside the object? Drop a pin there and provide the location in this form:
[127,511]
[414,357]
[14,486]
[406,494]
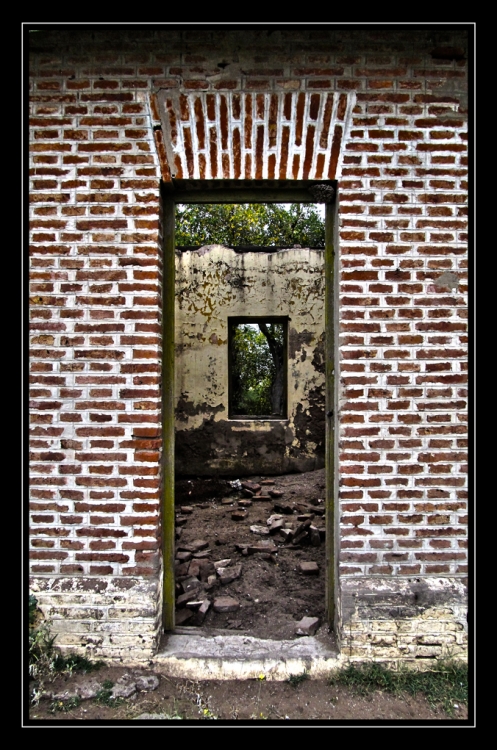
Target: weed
[175,713]
[59,705]
[75,663]
[444,684]
[42,651]
[365,678]
[297,679]
[203,707]
[45,659]
[33,609]
[104,695]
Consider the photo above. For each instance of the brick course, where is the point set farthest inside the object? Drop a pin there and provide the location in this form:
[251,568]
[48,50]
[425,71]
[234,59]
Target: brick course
[95,255]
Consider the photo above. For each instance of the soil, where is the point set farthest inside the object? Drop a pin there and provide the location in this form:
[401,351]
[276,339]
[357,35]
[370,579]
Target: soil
[218,520]
[273,595]
[237,701]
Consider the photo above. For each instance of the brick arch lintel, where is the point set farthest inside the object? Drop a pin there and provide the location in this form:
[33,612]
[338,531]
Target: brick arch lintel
[269,135]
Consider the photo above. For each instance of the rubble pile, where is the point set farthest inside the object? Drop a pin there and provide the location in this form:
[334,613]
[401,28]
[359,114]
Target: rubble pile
[258,519]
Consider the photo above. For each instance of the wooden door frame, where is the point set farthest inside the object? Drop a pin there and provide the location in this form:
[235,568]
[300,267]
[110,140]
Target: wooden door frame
[240,191]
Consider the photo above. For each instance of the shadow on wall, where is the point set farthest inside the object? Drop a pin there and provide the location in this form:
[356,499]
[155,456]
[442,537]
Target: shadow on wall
[215,285]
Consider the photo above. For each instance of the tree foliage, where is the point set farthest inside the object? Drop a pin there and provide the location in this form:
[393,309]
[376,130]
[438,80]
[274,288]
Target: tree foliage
[263,224]
[257,369]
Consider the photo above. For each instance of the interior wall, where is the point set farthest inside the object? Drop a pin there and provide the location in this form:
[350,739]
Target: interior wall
[213,284]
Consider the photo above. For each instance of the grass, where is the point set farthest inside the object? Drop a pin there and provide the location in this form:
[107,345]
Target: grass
[42,651]
[63,706]
[104,696]
[75,663]
[443,685]
[45,659]
[296,679]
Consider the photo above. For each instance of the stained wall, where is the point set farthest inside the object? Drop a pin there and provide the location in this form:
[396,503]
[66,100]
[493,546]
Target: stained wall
[213,284]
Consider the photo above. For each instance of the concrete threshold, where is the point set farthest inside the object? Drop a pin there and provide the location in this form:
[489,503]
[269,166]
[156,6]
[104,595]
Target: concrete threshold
[197,654]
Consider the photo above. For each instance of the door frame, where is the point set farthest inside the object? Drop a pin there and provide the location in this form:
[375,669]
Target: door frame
[242,191]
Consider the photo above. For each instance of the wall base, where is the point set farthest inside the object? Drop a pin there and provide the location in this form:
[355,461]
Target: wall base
[109,618]
[410,619]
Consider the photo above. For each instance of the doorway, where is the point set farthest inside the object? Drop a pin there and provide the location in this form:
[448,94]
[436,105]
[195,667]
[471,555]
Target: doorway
[186,192]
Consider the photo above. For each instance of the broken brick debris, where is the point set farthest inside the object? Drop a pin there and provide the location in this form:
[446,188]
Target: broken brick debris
[201,569]
[239,515]
[252,486]
[190,585]
[261,530]
[183,556]
[201,555]
[307,626]
[226,604]
[202,611]
[195,546]
[309,567]
[291,522]
[261,547]
[283,507]
[181,570]
[183,615]
[227,575]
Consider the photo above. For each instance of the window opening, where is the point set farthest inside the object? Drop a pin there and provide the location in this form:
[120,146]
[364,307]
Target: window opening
[257,366]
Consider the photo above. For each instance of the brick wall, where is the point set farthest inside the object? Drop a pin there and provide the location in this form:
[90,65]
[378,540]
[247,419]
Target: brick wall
[95,264]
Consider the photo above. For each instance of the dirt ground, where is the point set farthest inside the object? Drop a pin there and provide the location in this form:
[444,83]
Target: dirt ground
[261,535]
[271,595]
[310,701]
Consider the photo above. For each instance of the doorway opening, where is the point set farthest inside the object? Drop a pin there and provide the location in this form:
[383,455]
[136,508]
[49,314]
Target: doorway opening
[250,474]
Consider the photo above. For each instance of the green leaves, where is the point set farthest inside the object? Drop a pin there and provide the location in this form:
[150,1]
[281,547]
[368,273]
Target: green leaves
[257,368]
[263,224]
[253,371]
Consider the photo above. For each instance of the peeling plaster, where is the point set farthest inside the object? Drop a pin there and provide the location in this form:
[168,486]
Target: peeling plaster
[215,283]
[447,280]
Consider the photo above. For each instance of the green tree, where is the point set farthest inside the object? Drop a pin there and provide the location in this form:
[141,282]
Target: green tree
[257,369]
[263,224]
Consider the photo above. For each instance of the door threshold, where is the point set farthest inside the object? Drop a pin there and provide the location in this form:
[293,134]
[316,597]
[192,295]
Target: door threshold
[200,654]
